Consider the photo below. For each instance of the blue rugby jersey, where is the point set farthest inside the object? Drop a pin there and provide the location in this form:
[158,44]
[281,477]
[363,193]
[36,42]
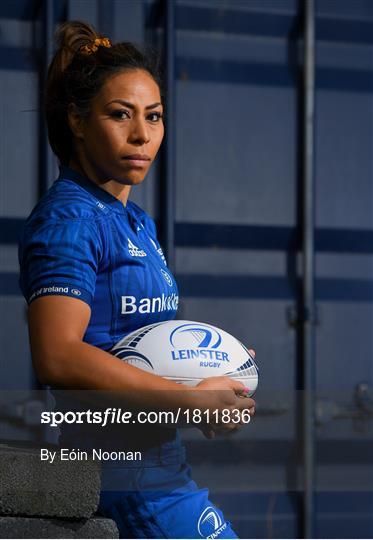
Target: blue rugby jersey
[82,242]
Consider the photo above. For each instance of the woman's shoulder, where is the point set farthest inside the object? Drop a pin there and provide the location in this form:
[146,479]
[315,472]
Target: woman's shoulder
[64,219]
[66,201]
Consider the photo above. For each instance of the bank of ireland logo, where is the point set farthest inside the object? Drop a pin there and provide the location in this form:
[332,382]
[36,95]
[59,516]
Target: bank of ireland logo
[192,335]
[167,277]
[210,524]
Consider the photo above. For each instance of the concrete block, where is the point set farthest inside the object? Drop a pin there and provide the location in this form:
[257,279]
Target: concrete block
[29,486]
[25,527]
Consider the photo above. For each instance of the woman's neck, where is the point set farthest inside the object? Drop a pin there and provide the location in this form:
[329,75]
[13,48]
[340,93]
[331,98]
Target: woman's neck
[118,190]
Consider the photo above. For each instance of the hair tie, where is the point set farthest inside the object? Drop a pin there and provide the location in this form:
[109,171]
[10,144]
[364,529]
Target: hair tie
[92,47]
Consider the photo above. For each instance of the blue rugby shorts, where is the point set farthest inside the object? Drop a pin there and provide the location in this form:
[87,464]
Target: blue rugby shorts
[159,499]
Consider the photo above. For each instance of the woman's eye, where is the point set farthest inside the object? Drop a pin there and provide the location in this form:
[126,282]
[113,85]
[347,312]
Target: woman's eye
[155,116]
[120,115]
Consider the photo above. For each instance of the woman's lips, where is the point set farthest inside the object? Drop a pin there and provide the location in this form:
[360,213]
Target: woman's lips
[137,160]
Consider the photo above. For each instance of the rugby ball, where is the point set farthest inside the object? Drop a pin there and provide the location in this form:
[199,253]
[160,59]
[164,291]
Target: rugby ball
[188,352]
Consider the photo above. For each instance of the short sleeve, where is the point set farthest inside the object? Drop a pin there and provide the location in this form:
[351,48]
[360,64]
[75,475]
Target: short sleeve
[59,258]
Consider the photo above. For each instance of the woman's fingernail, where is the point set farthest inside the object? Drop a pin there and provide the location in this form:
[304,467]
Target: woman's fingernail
[246,390]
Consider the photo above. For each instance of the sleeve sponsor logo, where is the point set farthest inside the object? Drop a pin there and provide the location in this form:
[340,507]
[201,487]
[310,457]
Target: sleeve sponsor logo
[50,290]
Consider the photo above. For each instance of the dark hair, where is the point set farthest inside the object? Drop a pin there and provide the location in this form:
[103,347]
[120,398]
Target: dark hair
[77,73]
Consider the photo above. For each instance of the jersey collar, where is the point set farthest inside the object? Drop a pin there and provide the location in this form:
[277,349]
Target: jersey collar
[69,174]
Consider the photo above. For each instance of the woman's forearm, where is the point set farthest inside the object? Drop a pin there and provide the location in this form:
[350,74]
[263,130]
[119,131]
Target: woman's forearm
[85,367]
[62,359]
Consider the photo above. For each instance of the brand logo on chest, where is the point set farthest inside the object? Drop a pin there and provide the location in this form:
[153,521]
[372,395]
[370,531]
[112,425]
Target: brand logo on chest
[134,251]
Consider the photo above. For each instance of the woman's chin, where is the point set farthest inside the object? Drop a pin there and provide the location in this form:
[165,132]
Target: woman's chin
[130,179]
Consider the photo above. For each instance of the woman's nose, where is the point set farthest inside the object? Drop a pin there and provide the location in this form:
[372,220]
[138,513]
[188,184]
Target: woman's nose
[139,133]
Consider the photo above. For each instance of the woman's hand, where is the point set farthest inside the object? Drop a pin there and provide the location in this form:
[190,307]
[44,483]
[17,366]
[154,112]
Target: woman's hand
[224,393]
[225,399]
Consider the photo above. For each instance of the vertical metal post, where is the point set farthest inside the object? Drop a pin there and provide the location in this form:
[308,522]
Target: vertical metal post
[168,195]
[309,268]
[47,160]
[106,16]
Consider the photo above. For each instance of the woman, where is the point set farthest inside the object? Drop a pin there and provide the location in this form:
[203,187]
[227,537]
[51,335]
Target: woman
[89,256]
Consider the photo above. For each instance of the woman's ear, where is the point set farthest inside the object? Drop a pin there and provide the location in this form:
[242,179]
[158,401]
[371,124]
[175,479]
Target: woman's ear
[75,121]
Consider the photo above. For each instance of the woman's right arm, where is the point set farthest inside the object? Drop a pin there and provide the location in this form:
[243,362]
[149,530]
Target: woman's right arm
[62,359]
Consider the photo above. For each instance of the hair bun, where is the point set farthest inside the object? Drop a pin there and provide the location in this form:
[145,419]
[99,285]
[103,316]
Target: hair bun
[73,37]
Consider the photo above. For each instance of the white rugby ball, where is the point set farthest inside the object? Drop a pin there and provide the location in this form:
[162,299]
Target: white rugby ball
[188,352]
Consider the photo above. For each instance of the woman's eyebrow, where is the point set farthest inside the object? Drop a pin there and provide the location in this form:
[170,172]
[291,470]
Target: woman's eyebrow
[131,106]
